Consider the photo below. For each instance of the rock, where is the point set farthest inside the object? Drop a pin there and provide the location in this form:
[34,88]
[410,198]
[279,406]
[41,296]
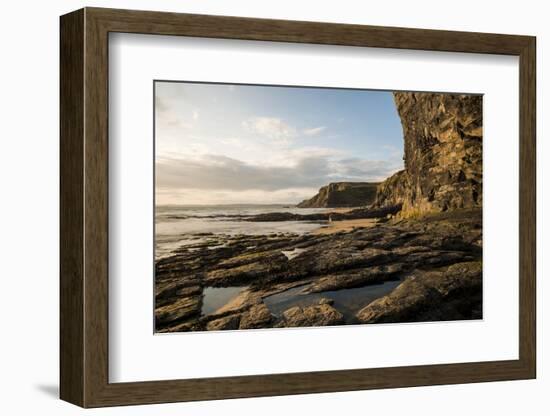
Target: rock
[240,303]
[342,194]
[226,323]
[315,315]
[443,153]
[345,258]
[258,316]
[250,258]
[394,190]
[180,327]
[451,294]
[326,301]
[168,292]
[265,266]
[187,264]
[356,278]
[436,258]
[181,309]
[328,260]
[354,214]
[410,249]
[280,216]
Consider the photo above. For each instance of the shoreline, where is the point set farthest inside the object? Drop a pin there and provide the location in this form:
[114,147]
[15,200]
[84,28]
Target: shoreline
[442,252]
[344,225]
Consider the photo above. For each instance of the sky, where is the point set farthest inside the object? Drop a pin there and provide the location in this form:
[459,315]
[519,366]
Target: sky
[250,144]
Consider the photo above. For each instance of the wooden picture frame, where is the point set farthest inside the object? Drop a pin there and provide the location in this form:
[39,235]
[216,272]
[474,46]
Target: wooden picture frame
[84,207]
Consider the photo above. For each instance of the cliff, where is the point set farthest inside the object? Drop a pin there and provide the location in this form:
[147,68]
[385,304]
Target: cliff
[342,194]
[443,154]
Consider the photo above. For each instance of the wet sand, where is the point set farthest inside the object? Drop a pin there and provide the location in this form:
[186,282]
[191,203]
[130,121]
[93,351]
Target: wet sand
[342,210]
[345,225]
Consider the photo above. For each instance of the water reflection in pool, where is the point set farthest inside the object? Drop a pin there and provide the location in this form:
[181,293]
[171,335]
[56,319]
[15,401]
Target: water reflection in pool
[216,297]
[347,301]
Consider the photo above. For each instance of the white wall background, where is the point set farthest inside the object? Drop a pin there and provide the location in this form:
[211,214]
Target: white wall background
[29,159]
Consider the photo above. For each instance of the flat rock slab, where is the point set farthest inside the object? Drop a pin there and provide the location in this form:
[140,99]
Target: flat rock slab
[355,278]
[181,309]
[258,316]
[226,323]
[322,314]
[452,294]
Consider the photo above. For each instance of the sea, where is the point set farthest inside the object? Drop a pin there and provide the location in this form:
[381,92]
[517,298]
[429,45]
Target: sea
[180,225]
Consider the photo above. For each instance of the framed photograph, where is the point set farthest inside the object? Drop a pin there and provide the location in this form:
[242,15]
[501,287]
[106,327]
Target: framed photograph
[255,207]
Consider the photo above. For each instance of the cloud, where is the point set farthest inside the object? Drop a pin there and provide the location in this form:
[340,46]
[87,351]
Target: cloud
[357,169]
[277,130]
[191,196]
[233,141]
[271,128]
[222,173]
[314,131]
[160,104]
[167,118]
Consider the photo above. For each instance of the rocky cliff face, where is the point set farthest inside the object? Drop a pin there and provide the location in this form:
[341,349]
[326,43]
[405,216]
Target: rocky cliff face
[342,194]
[443,154]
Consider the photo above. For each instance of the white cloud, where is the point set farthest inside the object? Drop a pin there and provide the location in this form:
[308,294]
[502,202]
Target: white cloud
[195,115]
[272,128]
[314,131]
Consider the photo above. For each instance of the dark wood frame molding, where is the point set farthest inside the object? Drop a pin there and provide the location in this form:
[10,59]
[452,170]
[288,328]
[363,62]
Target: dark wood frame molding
[84,207]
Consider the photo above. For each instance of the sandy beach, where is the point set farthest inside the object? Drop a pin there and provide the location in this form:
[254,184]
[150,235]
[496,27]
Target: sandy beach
[345,225]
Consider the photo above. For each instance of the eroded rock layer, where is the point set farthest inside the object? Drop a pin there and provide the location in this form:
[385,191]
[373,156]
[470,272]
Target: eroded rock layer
[443,154]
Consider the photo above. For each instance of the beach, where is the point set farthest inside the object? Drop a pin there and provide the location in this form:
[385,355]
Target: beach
[345,225]
[233,269]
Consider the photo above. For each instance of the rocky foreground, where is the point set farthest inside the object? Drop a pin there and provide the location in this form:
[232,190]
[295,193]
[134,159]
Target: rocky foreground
[437,258]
